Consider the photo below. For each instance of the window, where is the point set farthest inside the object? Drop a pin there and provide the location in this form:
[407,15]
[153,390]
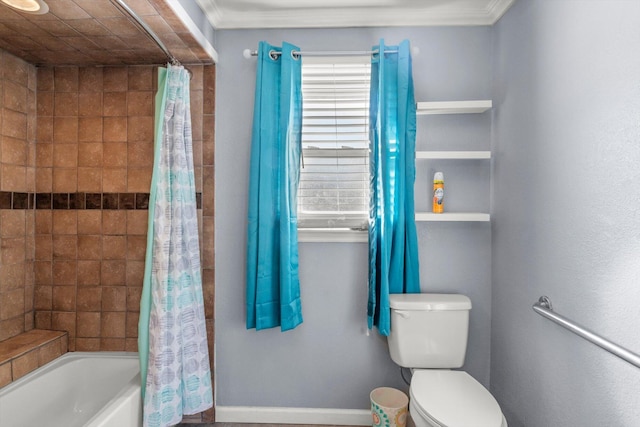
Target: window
[334,178]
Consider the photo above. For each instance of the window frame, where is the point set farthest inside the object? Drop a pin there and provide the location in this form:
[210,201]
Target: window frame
[346,226]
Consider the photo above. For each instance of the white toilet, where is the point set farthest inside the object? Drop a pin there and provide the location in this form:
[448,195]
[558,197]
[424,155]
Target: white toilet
[429,335]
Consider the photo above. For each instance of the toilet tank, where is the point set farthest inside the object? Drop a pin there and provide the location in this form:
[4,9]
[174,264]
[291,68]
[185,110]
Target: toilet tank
[429,331]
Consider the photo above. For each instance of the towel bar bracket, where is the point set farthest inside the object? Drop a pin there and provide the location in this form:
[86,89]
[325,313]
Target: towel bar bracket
[545,302]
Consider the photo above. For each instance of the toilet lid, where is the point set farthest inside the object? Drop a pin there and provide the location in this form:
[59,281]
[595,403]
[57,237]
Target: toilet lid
[454,399]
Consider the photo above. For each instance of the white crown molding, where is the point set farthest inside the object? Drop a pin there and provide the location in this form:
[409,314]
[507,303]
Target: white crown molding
[212,11]
[488,14]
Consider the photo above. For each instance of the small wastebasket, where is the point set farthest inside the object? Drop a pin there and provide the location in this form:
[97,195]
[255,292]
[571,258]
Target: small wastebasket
[388,407]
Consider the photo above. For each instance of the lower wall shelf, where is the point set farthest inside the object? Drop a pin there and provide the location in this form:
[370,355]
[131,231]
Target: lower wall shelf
[452,216]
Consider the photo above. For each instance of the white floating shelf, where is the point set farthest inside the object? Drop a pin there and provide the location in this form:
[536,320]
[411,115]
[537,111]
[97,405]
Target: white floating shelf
[453,154]
[452,216]
[453,107]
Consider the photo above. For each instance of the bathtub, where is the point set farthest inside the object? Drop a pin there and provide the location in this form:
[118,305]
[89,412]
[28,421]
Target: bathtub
[76,389]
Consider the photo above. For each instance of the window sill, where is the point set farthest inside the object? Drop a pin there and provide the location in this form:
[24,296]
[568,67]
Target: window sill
[332,235]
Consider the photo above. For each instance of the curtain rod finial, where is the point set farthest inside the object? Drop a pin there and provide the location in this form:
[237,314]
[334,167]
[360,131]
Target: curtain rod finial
[415,51]
[246,53]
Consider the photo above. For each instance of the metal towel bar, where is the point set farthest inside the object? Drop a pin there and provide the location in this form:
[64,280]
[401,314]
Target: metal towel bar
[544,308]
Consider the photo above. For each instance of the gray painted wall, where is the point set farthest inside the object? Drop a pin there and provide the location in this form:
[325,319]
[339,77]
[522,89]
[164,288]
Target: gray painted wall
[566,207]
[329,361]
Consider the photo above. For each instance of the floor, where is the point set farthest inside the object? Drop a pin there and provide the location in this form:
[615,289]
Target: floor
[252,425]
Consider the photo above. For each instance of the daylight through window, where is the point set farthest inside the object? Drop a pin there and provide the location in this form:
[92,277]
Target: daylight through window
[334,179]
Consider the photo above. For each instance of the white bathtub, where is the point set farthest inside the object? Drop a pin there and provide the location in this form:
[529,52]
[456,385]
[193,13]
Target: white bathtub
[74,390]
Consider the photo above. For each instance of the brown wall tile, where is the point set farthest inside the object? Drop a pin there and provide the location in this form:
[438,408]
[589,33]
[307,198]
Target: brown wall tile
[65,155]
[116,79]
[65,104]
[114,222]
[49,351]
[114,247]
[64,298]
[88,324]
[114,180]
[65,79]
[44,104]
[65,222]
[114,298]
[139,180]
[89,179]
[112,344]
[89,222]
[90,79]
[113,325]
[5,374]
[44,130]
[89,247]
[114,104]
[101,123]
[141,78]
[90,104]
[89,273]
[135,273]
[140,129]
[64,272]
[14,151]
[113,273]
[22,365]
[65,129]
[90,154]
[65,246]
[88,344]
[14,124]
[89,298]
[114,154]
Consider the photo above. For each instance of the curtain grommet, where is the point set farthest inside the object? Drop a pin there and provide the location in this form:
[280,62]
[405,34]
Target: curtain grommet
[274,55]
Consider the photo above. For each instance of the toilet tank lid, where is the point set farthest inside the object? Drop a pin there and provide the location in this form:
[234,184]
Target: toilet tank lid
[430,302]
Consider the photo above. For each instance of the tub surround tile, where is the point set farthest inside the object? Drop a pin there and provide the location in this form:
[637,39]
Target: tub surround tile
[90,200]
[5,374]
[22,365]
[28,351]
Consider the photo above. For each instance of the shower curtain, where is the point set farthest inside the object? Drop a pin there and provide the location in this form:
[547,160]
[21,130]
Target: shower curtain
[174,356]
[272,287]
[393,242]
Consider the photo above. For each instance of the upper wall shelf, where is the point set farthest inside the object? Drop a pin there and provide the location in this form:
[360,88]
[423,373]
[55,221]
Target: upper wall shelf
[453,216]
[453,107]
[453,155]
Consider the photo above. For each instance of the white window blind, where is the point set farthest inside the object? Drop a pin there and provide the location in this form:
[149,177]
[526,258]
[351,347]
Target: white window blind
[334,178]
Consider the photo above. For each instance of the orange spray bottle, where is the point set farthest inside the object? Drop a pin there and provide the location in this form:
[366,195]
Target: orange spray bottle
[438,192]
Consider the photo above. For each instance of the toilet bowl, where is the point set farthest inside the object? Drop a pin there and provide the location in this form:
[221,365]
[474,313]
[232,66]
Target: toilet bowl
[429,335]
[443,398]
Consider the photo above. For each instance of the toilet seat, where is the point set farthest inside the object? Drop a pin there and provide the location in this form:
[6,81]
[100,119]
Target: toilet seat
[453,399]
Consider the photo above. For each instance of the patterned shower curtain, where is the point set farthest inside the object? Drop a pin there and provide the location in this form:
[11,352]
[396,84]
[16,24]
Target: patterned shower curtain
[174,356]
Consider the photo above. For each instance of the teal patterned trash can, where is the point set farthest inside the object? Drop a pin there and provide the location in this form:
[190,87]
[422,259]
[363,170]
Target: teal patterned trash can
[388,407]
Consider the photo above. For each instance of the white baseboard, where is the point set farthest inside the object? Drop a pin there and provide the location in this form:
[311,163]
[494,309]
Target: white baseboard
[278,415]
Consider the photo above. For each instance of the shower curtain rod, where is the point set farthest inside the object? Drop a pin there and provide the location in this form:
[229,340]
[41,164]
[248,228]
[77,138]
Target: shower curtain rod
[248,53]
[172,59]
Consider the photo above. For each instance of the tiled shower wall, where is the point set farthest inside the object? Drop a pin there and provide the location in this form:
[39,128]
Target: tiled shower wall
[17,183]
[94,164]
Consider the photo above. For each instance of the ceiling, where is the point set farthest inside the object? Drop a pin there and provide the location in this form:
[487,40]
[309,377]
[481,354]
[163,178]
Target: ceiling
[101,32]
[97,32]
[229,14]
